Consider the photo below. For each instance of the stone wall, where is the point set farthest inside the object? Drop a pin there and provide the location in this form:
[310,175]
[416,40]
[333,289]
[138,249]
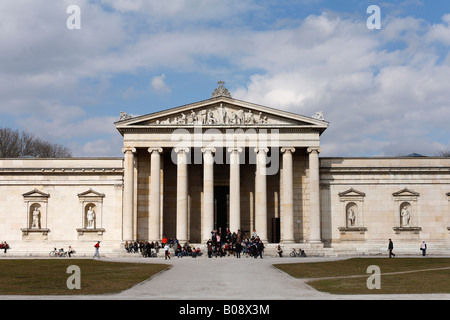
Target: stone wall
[377,191]
[61,191]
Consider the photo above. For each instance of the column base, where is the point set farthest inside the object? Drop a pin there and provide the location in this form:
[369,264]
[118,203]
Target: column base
[315,242]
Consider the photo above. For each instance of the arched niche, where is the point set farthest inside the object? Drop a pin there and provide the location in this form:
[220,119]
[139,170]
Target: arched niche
[351,214]
[35,221]
[407,212]
[35,216]
[352,217]
[90,215]
[91,203]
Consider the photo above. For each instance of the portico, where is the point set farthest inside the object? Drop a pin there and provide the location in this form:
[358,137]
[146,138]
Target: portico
[221,163]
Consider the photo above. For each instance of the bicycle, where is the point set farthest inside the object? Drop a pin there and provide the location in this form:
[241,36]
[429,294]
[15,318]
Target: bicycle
[58,253]
[300,253]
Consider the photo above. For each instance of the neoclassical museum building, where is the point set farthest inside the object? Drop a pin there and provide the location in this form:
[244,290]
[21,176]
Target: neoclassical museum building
[225,163]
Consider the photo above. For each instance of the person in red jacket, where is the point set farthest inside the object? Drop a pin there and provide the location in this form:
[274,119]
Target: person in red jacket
[97,247]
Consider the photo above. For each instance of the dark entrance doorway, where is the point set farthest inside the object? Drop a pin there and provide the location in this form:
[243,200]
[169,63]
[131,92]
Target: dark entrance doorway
[221,195]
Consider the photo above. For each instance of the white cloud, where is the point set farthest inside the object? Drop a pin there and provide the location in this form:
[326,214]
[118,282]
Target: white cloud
[378,102]
[377,89]
[158,85]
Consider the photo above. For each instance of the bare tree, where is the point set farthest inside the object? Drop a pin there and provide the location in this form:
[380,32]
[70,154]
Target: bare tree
[16,144]
[444,153]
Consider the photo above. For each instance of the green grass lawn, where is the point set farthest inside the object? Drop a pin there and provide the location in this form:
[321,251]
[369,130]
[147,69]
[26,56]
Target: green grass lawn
[49,276]
[420,282]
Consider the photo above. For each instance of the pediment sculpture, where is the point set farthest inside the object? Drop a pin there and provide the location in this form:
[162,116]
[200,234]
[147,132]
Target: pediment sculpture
[217,116]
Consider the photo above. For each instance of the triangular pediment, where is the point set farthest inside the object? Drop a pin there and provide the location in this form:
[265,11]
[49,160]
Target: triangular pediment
[221,111]
[35,194]
[352,193]
[405,193]
[91,193]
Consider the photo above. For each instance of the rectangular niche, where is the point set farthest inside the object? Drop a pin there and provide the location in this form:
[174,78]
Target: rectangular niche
[406,212]
[35,215]
[353,213]
[91,219]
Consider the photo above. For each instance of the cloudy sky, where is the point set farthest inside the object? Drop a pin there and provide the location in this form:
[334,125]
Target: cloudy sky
[385,92]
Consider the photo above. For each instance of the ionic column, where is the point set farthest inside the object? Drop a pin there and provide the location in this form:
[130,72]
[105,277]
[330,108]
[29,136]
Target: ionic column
[182,194]
[128,194]
[261,194]
[154,230]
[314,195]
[287,198]
[235,190]
[208,193]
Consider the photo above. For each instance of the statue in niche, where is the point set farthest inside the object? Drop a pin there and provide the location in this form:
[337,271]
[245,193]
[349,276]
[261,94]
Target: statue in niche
[351,217]
[405,217]
[90,218]
[36,218]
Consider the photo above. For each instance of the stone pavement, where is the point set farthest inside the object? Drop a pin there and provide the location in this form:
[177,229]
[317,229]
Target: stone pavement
[227,279]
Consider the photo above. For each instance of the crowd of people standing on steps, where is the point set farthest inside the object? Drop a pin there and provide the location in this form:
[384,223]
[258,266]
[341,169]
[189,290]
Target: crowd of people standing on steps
[229,243]
[150,249]
[221,244]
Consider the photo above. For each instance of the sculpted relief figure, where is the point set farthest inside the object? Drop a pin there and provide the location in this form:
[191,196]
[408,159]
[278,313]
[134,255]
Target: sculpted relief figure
[240,117]
[249,117]
[36,221]
[90,218]
[182,119]
[221,115]
[210,119]
[231,117]
[262,119]
[201,117]
[191,118]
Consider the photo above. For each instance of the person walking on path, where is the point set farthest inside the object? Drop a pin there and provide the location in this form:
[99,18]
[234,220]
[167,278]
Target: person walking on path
[423,247]
[97,247]
[166,251]
[391,247]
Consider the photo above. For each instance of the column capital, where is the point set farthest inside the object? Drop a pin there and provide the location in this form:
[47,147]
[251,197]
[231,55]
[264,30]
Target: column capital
[287,149]
[235,149]
[313,149]
[151,150]
[264,149]
[177,150]
[206,149]
[133,150]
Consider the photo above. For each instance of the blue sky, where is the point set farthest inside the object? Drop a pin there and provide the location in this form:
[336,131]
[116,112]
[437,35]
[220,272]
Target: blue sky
[384,92]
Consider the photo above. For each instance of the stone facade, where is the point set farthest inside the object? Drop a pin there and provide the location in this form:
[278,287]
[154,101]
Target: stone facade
[225,163]
[61,191]
[380,190]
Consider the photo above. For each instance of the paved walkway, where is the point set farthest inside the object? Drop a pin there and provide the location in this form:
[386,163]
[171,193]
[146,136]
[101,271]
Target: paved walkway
[223,279]
[227,278]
